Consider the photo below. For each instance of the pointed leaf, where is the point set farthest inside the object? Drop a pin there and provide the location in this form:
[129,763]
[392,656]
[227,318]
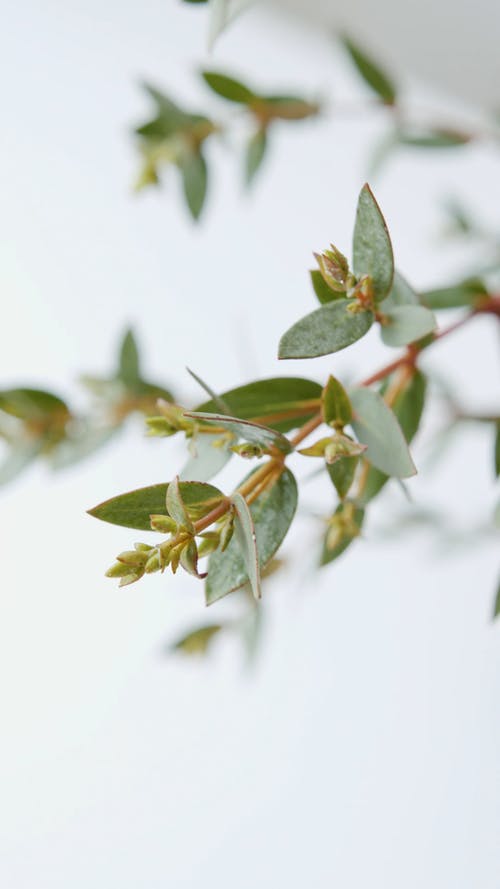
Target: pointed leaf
[217,399]
[197,641]
[176,508]
[194,179]
[407,324]
[372,248]
[255,152]
[342,474]
[269,401]
[272,514]
[252,432]
[331,554]
[245,536]
[376,426]
[336,406]
[133,509]
[228,87]
[128,369]
[329,329]
[372,74]
[408,408]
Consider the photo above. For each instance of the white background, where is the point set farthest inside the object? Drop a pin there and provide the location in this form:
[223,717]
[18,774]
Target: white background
[362,750]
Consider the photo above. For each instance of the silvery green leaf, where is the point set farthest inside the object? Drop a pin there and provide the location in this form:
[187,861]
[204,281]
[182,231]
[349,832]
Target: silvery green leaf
[328,329]
[406,324]
[245,536]
[376,426]
[372,248]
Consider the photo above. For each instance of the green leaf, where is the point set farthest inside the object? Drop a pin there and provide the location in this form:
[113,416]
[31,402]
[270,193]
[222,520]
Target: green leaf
[328,329]
[407,324]
[194,180]
[272,514]
[228,87]
[408,408]
[128,368]
[256,149]
[269,401]
[197,641]
[331,554]
[219,402]
[335,404]
[287,107]
[401,294]
[464,293]
[433,139]
[342,474]
[376,426]
[176,507]
[496,608]
[133,509]
[32,404]
[207,460]
[372,249]
[497,450]
[170,118]
[323,292]
[247,541]
[372,74]
[255,433]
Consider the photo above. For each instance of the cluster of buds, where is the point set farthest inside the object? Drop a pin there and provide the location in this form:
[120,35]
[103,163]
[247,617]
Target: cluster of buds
[334,270]
[183,548]
[334,447]
[169,420]
[342,527]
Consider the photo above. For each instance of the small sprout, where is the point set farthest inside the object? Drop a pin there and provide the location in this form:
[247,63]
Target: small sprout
[163,523]
[248,450]
[334,269]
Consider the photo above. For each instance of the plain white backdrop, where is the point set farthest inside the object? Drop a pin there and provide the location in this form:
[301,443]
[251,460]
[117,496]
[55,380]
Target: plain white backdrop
[362,750]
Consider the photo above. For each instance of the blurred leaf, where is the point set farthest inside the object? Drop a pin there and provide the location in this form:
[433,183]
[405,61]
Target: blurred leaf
[33,404]
[330,554]
[133,509]
[248,431]
[407,324]
[372,74]
[194,178]
[401,294]
[464,293]
[228,87]
[376,426]
[497,450]
[197,641]
[328,329]
[342,474]
[129,360]
[219,19]
[206,460]
[372,249]
[336,406]
[285,108]
[247,541]
[256,149]
[272,514]
[268,401]
[408,408]
[433,139]
[496,608]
